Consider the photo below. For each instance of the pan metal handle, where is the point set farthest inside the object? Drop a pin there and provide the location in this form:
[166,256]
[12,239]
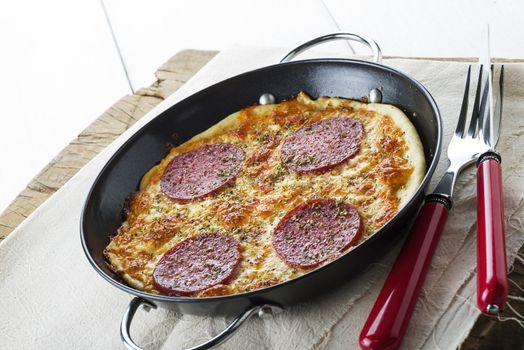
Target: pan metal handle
[375,49]
[263,311]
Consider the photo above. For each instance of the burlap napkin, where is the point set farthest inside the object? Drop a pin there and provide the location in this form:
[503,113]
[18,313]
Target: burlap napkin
[51,298]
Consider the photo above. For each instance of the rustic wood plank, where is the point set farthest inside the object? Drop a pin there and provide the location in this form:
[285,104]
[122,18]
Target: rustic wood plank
[124,113]
[488,333]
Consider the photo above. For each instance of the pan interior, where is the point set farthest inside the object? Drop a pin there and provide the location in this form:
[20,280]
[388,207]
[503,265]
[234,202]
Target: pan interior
[102,213]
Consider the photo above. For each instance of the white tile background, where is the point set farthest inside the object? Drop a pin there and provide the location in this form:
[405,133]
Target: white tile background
[58,72]
[60,69]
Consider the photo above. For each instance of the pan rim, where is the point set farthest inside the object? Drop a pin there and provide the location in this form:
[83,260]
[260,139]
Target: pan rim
[247,295]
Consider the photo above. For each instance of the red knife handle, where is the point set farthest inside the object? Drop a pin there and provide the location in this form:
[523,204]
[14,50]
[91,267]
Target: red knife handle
[492,279]
[388,321]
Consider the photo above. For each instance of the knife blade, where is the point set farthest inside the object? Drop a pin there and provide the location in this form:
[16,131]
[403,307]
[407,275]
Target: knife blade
[486,119]
[490,121]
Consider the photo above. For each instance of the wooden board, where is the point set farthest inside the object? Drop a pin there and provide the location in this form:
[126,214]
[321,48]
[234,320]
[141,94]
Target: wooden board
[487,334]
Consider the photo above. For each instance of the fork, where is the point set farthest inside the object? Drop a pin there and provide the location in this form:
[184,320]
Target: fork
[388,321]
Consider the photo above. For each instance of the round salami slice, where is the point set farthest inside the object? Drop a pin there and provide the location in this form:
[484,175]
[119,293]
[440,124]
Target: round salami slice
[322,145]
[196,264]
[316,231]
[202,171]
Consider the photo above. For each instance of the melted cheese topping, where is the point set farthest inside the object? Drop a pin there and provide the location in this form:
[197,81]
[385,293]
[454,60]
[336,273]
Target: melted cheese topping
[378,181]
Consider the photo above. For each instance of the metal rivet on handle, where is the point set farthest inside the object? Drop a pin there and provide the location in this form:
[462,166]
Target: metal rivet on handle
[266,99]
[265,312]
[492,309]
[375,96]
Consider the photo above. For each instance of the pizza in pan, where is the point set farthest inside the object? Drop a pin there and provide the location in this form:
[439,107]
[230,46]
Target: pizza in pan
[267,195]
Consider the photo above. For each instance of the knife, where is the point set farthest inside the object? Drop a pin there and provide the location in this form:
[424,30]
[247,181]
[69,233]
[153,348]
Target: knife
[492,282]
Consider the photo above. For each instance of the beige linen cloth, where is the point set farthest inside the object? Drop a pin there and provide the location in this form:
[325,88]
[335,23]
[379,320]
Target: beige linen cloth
[51,298]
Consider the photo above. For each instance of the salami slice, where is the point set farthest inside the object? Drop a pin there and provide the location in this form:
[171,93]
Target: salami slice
[316,231]
[322,145]
[197,263]
[202,171]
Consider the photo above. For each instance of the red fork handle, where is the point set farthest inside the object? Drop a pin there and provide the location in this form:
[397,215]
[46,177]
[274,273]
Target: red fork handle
[492,279]
[389,318]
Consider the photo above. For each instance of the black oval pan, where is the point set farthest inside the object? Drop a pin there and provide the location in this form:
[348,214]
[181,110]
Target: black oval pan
[346,78]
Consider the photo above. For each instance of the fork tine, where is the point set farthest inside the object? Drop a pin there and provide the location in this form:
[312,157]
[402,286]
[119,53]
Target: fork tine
[501,83]
[475,113]
[497,110]
[461,124]
[500,92]
[484,114]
